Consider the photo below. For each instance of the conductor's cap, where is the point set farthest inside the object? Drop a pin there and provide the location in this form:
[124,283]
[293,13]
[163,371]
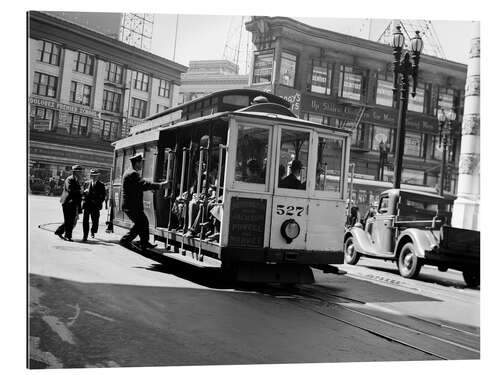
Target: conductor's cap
[136,157]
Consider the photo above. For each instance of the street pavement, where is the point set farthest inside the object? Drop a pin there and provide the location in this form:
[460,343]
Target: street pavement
[97,304]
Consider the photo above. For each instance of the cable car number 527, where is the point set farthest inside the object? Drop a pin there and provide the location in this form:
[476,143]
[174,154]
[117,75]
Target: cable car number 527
[281,209]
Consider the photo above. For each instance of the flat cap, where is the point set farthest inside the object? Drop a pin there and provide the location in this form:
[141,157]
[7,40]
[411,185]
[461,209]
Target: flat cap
[76,168]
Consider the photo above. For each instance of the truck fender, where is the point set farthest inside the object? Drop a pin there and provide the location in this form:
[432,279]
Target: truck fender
[423,240]
[362,240]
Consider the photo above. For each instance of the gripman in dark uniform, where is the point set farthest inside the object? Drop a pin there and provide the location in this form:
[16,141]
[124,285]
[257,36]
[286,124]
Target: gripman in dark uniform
[71,203]
[133,186]
[94,193]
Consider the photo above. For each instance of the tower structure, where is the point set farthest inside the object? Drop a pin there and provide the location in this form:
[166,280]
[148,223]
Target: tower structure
[432,45]
[237,46]
[136,29]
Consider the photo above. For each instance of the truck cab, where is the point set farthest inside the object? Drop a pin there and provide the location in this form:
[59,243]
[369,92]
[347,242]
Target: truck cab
[413,228]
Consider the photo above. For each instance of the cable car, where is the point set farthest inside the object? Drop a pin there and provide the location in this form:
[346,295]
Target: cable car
[252,187]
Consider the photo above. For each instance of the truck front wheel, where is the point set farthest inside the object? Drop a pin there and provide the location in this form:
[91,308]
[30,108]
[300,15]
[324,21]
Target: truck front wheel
[408,263]
[471,277]
[351,256]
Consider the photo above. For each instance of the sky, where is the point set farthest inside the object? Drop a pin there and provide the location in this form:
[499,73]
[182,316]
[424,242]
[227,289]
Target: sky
[205,37]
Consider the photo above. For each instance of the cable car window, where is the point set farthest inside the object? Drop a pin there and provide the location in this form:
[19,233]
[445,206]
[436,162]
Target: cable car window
[294,153]
[329,167]
[118,166]
[251,155]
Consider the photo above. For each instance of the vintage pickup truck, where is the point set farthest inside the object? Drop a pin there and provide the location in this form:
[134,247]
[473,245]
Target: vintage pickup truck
[412,229]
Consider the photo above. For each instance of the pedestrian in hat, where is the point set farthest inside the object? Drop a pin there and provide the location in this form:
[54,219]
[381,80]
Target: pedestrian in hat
[133,186]
[94,193]
[71,203]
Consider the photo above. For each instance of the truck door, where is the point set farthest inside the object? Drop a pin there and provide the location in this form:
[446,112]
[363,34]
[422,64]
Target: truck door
[382,231]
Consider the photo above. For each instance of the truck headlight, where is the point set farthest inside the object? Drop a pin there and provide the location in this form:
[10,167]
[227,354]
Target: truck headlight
[290,230]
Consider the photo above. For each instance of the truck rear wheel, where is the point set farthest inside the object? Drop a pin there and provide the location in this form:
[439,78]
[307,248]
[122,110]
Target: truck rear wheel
[408,263]
[471,277]
[351,256]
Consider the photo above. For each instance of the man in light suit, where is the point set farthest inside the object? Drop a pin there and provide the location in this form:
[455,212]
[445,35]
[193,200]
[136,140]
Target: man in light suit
[71,203]
[94,193]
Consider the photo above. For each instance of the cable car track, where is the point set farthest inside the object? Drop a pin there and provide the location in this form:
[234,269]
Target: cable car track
[447,343]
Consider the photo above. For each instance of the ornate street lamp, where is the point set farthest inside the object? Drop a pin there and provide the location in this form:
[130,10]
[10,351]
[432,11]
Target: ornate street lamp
[446,122]
[405,68]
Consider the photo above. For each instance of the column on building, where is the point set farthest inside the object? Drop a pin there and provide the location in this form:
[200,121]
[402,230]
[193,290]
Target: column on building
[466,207]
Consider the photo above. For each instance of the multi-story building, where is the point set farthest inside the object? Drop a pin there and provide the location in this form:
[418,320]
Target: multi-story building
[207,76]
[345,81]
[86,89]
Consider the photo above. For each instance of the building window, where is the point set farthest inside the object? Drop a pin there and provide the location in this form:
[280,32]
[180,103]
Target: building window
[446,99]
[45,85]
[381,135]
[114,72]
[79,125]
[413,144]
[263,67]
[140,81]
[161,108]
[50,53]
[321,77]
[84,63]
[416,103]
[139,108]
[361,136]
[80,93]
[412,176]
[164,89]
[42,118]
[384,93]
[111,101]
[287,69]
[109,130]
[351,83]
[437,151]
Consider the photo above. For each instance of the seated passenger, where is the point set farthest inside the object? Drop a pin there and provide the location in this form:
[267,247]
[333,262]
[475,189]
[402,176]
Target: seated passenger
[253,172]
[292,181]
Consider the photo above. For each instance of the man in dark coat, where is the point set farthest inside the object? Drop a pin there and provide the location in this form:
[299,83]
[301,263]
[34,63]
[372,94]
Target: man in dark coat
[71,203]
[292,181]
[94,193]
[133,186]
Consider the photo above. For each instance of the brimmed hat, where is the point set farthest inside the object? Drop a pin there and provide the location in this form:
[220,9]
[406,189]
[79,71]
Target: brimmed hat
[76,168]
[136,157]
[94,172]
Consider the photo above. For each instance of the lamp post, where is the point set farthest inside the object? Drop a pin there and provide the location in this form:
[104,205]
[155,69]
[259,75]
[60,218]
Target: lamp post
[446,121]
[405,68]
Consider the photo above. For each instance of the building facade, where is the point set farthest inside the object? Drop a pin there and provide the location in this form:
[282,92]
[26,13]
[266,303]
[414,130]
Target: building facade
[207,76]
[85,90]
[345,81]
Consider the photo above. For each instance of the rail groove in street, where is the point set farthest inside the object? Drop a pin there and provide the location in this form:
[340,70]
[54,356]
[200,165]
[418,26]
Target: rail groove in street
[440,341]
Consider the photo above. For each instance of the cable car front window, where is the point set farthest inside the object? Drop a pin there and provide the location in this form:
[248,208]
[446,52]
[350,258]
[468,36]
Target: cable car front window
[294,152]
[329,167]
[251,157]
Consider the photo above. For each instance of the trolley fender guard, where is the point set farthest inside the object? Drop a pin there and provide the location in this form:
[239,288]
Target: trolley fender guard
[423,240]
[362,240]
